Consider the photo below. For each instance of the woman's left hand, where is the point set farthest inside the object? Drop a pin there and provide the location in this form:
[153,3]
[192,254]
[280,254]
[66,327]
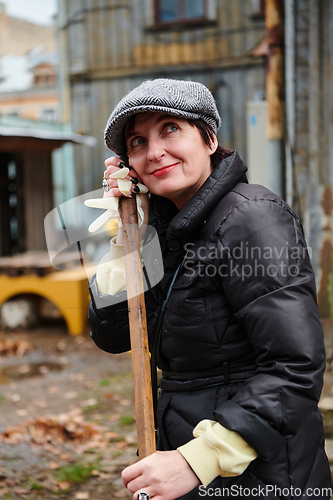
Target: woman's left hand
[165,475]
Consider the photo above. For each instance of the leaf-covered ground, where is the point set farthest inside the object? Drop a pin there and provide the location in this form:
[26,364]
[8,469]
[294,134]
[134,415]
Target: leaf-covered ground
[67,425]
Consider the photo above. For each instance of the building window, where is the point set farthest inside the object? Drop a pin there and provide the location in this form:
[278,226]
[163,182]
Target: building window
[176,11]
[258,9]
[49,115]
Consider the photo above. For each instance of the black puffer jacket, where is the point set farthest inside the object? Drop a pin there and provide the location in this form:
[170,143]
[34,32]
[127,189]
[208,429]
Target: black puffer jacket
[241,341]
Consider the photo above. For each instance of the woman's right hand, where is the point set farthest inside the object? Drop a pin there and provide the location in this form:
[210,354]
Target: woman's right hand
[114,164]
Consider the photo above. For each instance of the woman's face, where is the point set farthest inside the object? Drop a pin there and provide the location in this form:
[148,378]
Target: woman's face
[169,155]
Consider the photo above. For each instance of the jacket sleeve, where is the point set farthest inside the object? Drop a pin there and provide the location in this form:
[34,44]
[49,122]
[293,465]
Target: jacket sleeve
[109,325]
[271,288]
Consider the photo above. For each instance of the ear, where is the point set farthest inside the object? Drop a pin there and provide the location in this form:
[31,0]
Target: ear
[214,145]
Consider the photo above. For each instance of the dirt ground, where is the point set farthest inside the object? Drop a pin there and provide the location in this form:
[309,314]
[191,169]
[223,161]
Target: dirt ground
[67,425]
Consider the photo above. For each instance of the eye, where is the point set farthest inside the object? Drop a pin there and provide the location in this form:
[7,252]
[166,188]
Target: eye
[137,141]
[171,127]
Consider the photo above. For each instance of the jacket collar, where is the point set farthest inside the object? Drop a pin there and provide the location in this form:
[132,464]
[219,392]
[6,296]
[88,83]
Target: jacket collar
[219,183]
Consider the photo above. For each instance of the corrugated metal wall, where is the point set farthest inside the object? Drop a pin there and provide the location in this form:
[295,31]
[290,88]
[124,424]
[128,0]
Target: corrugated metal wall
[313,153]
[113,45]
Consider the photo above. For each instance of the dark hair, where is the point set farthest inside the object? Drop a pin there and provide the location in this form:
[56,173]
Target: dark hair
[208,137]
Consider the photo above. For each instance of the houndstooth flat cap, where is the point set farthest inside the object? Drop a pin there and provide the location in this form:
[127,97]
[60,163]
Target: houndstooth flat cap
[176,97]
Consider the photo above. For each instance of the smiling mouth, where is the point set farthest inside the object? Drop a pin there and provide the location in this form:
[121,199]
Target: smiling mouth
[164,170]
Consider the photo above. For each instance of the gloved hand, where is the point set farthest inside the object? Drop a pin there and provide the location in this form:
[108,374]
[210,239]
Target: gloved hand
[111,205]
[110,275]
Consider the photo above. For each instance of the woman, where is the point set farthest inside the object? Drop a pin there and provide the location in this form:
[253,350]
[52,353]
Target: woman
[240,344]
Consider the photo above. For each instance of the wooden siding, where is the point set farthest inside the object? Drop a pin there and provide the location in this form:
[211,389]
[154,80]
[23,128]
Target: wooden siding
[106,36]
[38,200]
[92,104]
[313,152]
[113,45]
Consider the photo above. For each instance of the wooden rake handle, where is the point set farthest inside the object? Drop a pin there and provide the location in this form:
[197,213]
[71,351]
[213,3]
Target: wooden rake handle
[144,411]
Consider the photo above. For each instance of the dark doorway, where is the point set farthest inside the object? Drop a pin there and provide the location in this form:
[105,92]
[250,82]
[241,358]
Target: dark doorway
[12,235]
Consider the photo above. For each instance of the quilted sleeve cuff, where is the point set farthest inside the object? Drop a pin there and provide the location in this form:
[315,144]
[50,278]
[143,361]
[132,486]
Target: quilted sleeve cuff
[216,451]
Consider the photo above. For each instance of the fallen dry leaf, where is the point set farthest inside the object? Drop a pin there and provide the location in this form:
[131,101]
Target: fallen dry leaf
[54,465]
[22,413]
[62,345]
[53,389]
[89,402]
[24,369]
[64,485]
[112,435]
[21,491]
[130,438]
[82,495]
[79,339]
[14,397]
[43,430]
[14,347]
[125,402]
[109,395]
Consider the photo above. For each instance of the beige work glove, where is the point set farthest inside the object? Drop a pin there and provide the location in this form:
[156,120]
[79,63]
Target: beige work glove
[110,275]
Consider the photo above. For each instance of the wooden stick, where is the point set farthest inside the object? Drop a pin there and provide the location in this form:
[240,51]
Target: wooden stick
[144,411]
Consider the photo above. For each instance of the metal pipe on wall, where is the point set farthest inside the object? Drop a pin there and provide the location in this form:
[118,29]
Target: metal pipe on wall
[64,84]
[289,8]
[275,93]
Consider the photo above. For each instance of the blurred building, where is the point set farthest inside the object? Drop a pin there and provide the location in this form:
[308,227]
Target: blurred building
[107,49]
[19,37]
[28,85]
[36,174]
[36,152]
[28,69]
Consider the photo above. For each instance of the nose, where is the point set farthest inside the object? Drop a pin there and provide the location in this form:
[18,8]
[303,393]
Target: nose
[155,150]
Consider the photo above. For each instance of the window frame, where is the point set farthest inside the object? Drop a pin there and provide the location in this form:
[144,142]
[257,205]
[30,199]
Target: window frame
[259,11]
[181,20]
